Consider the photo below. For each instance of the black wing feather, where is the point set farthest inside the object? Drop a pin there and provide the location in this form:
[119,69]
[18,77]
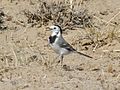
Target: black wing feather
[70,48]
[67,46]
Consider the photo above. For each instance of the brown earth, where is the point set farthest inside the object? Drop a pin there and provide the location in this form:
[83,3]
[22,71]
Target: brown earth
[26,59]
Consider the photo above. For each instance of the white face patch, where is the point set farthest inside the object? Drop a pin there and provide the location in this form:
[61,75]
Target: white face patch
[55,31]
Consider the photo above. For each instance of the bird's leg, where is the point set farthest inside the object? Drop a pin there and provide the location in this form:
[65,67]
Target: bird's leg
[60,61]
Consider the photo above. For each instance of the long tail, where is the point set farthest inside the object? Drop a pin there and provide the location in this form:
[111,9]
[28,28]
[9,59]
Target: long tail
[83,54]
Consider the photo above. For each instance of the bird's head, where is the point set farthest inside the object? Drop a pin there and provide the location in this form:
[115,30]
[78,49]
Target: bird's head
[56,30]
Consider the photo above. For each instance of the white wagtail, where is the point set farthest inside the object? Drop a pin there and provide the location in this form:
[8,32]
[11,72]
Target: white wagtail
[58,43]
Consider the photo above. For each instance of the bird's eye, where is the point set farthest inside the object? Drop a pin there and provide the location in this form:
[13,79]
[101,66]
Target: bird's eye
[54,27]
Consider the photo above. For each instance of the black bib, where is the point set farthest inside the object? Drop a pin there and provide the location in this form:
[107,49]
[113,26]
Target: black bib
[52,39]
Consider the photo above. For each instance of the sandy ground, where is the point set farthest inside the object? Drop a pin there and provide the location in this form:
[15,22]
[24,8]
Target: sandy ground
[26,59]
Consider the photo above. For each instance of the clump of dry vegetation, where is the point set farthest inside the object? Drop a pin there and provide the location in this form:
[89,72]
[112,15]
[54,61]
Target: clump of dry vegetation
[2,26]
[59,13]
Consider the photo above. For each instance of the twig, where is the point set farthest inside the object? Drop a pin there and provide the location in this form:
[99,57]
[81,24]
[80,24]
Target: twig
[95,47]
[71,4]
[116,50]
[6,62]
[29,46]
[15,55]
[102,20]
[118,76]
[103,74]
[16,59]
[112,18]
[105,50]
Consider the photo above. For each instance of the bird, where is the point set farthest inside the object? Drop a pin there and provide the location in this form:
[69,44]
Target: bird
[60,45]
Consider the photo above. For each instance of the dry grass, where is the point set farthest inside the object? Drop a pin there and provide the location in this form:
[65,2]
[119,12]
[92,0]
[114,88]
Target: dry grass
[62,15]
[2,15]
